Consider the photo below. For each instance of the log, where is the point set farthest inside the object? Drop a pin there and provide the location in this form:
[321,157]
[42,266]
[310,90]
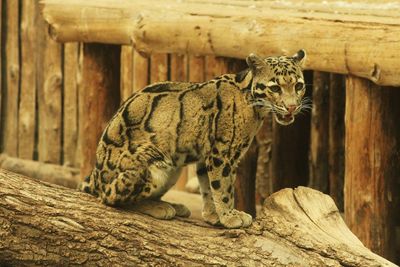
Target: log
[319,136]
[126,72]
[71,109]
[140,71]
[45,224]
[337,97]
[12,79]
[372,163]
[158,68]
[49,97]
[101,97]
[203,28]
[178,68]
[27,103]
[52,173]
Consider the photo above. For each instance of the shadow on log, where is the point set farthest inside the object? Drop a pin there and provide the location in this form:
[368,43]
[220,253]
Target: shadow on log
[45,224]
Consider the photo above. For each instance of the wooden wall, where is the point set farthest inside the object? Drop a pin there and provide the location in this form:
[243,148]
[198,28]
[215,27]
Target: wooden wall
[40,105]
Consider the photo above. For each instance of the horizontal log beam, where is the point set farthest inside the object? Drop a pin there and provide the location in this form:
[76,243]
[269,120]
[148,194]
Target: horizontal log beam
[342,38]
[52,173]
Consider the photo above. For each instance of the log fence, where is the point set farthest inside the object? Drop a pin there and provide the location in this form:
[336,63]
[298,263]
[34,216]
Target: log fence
[54,102]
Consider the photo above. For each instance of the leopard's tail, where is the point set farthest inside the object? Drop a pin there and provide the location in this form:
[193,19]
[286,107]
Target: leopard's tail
[87,185]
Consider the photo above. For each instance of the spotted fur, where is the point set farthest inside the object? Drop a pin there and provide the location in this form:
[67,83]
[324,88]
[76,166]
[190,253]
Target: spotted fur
[168,125]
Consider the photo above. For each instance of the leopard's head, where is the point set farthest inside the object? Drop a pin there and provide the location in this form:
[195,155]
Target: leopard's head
[278,85]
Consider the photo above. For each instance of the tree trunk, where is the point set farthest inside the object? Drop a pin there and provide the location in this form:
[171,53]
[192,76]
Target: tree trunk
[45,224]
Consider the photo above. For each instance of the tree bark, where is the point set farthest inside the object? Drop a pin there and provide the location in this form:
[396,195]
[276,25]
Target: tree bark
[45,224]
[224,28]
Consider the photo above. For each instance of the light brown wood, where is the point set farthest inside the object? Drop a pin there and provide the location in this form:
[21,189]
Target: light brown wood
[12,79]
[50,99]
[348,45]
[140,71]
[158,68]
[215,66]
[300,227]
[178,68]
[1,76]
[101,99]
[196,68]
[28,90]
[126,72]
[319,136]
[337,97]
[371,162]
[51,173]
[71,110]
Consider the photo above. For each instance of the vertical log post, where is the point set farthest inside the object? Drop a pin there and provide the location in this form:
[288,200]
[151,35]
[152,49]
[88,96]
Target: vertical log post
[337,95]
[158,68]
[372,163]
[126,71]
[140,71]
[100,95]
[12,79]
[319,133]
[27,102]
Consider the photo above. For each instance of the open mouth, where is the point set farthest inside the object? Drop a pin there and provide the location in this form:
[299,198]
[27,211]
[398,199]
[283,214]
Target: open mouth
[284,119]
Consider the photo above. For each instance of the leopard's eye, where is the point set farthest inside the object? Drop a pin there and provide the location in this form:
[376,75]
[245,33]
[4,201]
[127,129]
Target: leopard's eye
[275,88]
[299,86]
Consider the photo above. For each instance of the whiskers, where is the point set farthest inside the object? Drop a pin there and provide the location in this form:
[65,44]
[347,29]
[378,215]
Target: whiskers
[305,105]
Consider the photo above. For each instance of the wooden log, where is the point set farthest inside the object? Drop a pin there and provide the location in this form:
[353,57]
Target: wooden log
[71,108]
[1,76]
[319,141]
[178,67]
[49,98]
[100,84]
[126,72]
[51,173]
[73,228]
[197,68]
[215,66]
[203,28]
[158,68]
[371,162]
[337,96]
[27,102]
[12,79]
[141,76]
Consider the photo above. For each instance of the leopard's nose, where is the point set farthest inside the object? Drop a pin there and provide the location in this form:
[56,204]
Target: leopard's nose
[291,108]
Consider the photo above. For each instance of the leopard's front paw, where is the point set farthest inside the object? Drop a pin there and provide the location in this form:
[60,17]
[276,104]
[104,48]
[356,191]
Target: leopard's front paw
[235,219]
[210,217]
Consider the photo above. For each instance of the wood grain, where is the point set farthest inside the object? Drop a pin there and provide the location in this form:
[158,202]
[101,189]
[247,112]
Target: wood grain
[158,68]
[126,72]
[73,228]
[140,71]
[71,106]
[371,162]
[28,91]
[348,43]
[12,79]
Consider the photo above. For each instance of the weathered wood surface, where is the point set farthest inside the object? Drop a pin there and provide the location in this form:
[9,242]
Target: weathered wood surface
[158,68]
[337,97]
[50,83]
[372,163]
[72,83]
[126,88]
[44,224]
[348,45]
[140,71]
[100,96]
[12,78]
[319,136]
[52,173]
[27,102]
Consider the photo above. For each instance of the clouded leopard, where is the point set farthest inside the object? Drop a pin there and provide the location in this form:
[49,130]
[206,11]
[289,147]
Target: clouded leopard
[167,125]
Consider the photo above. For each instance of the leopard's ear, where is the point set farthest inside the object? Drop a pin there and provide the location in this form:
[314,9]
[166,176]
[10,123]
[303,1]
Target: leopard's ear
[300,57]
[255,63]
